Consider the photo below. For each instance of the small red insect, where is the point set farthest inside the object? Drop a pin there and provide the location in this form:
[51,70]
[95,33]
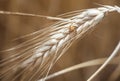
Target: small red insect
[73,27]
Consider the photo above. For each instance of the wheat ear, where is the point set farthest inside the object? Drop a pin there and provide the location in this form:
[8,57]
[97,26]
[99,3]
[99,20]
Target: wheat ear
[40,53]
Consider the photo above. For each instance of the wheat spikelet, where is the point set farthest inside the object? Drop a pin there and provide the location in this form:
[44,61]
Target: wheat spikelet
[39,54]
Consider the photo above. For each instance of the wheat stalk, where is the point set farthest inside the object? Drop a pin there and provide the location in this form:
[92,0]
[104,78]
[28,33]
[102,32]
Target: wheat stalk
[81,65]
[49,44]
[114,53]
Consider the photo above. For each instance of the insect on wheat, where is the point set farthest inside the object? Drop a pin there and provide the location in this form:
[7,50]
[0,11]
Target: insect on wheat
[49,44]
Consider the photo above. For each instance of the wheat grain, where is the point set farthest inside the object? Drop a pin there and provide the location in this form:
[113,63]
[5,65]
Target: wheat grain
[41,52]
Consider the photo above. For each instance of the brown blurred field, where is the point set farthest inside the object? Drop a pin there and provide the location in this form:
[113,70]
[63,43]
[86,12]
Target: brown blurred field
[97,44]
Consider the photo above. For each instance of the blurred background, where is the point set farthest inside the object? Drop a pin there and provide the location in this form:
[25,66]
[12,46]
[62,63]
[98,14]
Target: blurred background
[97,44]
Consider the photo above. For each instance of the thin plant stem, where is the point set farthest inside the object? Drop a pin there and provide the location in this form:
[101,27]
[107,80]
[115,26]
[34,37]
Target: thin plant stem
[114,53]
[81,65]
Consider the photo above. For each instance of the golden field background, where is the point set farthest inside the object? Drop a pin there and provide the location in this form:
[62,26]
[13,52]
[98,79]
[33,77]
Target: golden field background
[98,44]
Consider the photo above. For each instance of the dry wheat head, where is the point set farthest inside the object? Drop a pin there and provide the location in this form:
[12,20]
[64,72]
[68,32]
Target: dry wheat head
[37,55]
